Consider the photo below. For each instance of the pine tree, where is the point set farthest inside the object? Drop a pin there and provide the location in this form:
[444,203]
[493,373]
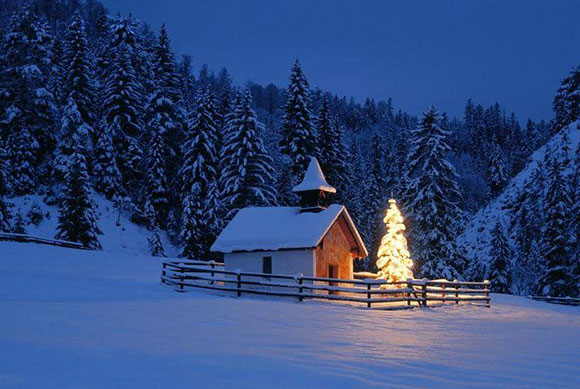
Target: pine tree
[24,148]
[575,218]
[198,176]
[332,151]
[557,279]
[107,176]
[156,189]
[247,171]
[497,174]
[27,115]
[77,220]
[394,261]
[500,254]
[156,248]
[298,141]
[122,102]
[567,100]
[5,214]
[191,232]
[432,198]
[79,111]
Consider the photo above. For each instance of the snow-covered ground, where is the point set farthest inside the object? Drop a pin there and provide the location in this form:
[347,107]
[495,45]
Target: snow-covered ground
[72,318]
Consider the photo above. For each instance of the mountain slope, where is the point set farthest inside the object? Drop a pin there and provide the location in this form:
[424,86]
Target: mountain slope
[476,237]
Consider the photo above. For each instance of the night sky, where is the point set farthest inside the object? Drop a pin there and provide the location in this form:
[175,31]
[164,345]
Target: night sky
[418,52]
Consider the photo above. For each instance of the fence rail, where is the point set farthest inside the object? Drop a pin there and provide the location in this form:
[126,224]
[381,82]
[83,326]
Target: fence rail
[557,300]
[24,238]
[374,293]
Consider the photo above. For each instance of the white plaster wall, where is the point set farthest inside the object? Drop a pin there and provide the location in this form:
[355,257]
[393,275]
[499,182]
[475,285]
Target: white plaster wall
[288,262]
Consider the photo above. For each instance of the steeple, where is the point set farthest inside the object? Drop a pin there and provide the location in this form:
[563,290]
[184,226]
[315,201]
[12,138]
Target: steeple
[313,190]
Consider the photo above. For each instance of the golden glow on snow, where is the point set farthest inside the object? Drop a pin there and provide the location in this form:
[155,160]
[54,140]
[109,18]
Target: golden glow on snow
[394,261]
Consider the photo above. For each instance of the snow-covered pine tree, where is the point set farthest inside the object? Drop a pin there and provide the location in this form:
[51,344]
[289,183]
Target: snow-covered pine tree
[5,214]
[331,149]
[78,115]
[500,254]
[77,220]
[191,235]
[431,201]
[123,113]
[497,175]
[156,248]
[394,261]
[556,239]
[155,189]
[575,219]
[23,152]
[298,141]
[165,109]
[198,176]
[247,171]
[374,199]
[567,100]
[106,174]
[27,117]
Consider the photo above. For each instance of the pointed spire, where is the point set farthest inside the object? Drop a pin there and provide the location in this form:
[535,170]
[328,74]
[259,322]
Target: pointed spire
[314,179]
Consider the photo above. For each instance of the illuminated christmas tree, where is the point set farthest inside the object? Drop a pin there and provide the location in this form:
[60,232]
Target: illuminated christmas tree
[394,261]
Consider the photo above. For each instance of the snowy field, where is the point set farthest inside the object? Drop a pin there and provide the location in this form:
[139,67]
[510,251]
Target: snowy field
[101,319]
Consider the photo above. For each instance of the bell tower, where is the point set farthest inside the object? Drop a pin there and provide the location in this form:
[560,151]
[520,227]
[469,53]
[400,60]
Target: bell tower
[314,191]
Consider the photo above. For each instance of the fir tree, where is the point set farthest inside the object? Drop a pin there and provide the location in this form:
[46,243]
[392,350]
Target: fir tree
[332,151]
[500,254]
[27,105]
[79,111]
[557,279]
[497,174]
[394,261]
[77,220]
[107,176]
[122,111]
[298,141]
[247,171]
[5,214]
[155,174]
[567,100]
[432,198]
[191,231]
[156,248]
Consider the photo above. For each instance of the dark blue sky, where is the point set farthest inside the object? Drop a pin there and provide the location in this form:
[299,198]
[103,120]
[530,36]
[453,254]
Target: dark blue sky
[418,52]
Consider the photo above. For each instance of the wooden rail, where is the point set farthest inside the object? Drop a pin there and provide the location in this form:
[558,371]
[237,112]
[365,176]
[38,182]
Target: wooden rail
[24,238]
[557,300]
[373,293]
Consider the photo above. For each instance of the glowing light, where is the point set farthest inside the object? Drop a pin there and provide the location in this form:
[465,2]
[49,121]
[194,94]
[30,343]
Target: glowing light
[394,261]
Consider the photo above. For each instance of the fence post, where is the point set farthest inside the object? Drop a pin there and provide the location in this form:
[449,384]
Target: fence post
[368,294]
[486,288]
[443,292]
[239,279]
[181,280]
[409,287]
[163,273]
[212,264]
[299,279]
[456,291]
[424,292]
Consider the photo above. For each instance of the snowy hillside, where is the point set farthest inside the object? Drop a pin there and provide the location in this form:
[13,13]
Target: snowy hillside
[124,237]
[95,319]
[477,236]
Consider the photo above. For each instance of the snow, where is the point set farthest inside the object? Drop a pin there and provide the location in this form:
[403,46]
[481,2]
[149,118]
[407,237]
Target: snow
[476,238]
[127,236]
[314,179]
[93,319]
[275,228]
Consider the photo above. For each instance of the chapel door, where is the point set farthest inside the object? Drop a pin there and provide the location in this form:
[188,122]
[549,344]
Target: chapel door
[332,273]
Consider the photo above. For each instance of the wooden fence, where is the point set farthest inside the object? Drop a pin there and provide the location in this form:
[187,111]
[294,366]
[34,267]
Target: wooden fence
[373,293]
[557,300]
[24,238]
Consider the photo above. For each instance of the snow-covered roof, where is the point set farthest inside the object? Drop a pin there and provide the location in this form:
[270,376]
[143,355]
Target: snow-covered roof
[314,179]
[275,228]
